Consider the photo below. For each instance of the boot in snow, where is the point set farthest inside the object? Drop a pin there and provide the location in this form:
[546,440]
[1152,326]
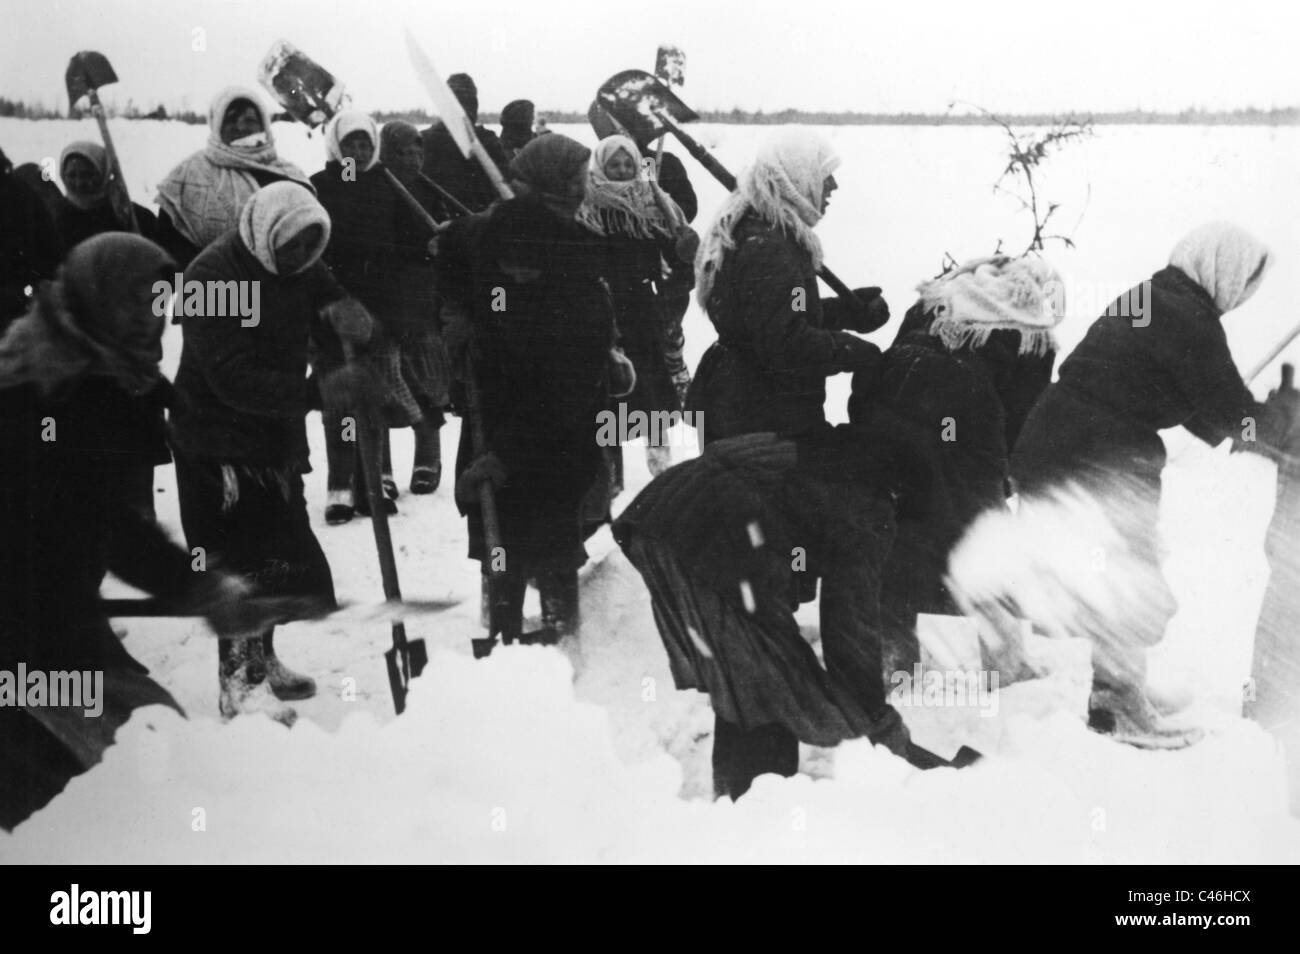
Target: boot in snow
[338,507]
[244,690]
[284,682]
[1127,715]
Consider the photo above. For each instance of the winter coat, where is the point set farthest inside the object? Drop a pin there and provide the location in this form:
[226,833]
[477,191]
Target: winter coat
[75,225]
[66,519]
[674,181]
[723,541]
[1129,379]
[463,178]
[30,247]
[241,395]
[634,271]
[542,344]
[775,348]
[964,409]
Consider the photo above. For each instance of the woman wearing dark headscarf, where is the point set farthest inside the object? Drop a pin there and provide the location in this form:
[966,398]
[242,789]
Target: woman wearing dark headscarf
[201,198]
[540,325]
[86,210]
[238,425]
[75,372]
[640,228]
[516,127]
[364,255]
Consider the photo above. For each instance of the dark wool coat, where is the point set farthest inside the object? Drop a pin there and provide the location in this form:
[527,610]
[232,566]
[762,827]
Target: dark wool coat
[30,247]
[768,369]
[542,327]
[241,394]
[1126,381]
[76,225]
[463,178]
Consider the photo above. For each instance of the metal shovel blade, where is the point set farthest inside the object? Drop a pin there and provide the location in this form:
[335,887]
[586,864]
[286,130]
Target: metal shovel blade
[405,661]
[634,98]
[87,70]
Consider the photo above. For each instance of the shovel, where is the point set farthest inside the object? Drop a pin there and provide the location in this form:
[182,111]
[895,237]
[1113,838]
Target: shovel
[87,72]
[647,109]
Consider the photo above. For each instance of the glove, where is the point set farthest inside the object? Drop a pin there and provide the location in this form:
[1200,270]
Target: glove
[854,354]
[872,314]
[350,320]
[224,598]
[687,244]
[1283,404]
[486,468]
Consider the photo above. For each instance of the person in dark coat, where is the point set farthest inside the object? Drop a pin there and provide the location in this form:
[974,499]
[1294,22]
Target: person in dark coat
[541,327]
[30,249]
[238,426]
[713,539]
[87,209]
[443,161]
[75,373]
[778,340]
[33,176]
[640,229]
[969,360]
[1098,428]
[516,127]
[415,323]
[200,200]
[365,257]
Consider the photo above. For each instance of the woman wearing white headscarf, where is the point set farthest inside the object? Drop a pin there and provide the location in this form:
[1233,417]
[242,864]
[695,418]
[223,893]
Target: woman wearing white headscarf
[201,198]
[238,423]
[756,268]
[86,209]
[1157,359]
[641,229]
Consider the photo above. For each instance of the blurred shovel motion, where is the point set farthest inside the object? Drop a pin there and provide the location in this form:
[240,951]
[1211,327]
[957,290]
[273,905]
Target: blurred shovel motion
[87,73]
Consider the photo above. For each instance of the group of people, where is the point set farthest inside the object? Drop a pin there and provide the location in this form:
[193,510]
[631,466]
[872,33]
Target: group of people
[409,288]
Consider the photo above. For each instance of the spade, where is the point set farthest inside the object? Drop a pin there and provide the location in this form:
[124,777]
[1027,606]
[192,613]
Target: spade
[87,72]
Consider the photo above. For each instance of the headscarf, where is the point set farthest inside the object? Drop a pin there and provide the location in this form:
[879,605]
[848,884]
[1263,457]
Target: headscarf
[97,156]
[204,194]
[1225,260]
[999,293]
[548,164]
[783,187]
[276,214]
[85,322]
[636,208]
[344,124]
[395,136]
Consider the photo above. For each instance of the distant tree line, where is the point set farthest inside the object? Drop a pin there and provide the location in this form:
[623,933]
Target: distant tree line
[1289,116]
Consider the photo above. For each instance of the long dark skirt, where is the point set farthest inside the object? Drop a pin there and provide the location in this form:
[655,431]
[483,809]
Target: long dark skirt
[255,525]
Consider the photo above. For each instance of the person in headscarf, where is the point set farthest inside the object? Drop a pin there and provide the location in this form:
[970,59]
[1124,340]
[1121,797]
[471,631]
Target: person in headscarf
[516,127]
[75,374]
[30,248]
[201,198]
[87,208]
[463,178]
[756,277]
[522,285]
[414,323]
[971,358]
[1158,358]
[238,424]
[363,253]
[643,235]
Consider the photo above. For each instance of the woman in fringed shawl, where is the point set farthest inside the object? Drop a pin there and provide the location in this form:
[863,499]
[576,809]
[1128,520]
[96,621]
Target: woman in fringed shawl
[363,253]
[541,363]
[76,373]
[971,357]
[1157,359]
[238,425]
[756,277]
[640,228]
[201,198]
[86,209]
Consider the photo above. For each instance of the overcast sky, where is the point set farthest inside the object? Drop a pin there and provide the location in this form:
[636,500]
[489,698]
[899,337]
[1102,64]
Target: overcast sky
[1013,56]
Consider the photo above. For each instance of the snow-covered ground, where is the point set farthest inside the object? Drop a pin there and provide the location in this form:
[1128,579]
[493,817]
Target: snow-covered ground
[589,753]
